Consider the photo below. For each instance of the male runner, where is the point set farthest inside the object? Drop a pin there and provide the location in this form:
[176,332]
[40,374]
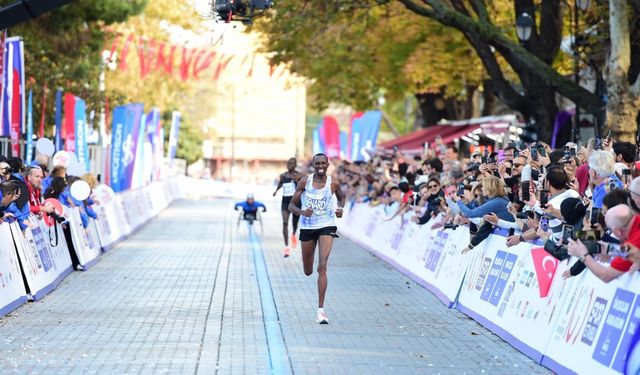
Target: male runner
[317,224]
[287,182]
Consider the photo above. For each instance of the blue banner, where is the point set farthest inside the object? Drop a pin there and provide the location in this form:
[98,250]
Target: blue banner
[344,141]
[58,128]
[29,156]
[130,144]
[82,150]
[317,148]
[117,140]
[173,135]
[364,135]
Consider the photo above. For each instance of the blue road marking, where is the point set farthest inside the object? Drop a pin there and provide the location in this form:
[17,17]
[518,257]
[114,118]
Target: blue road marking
[278,356]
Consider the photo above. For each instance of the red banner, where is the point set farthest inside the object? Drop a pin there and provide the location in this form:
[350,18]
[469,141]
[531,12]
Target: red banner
[69,126]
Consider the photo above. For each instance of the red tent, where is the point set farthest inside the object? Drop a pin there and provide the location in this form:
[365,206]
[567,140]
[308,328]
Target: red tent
[416,140]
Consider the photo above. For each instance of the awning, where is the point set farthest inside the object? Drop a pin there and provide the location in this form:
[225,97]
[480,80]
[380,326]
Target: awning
[416,140]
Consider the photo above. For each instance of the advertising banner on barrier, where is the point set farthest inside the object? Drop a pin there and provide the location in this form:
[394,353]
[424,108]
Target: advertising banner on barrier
[69,122]
[44,267]
[86,246]
[502,292]
[12,289]
[111,223]
[595,325]
[117,139]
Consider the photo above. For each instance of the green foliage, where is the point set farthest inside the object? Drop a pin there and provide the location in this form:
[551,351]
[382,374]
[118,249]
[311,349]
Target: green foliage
[63,48]
[351,55]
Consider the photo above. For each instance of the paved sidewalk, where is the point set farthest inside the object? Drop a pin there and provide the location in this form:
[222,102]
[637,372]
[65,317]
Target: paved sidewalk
[186,296]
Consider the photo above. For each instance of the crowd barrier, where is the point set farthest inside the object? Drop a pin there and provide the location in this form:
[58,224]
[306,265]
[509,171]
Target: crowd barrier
[34,261]
[578,325]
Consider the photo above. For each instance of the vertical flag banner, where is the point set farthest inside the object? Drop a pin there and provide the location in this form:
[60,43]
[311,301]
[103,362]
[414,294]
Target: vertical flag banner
[43,109]
[117,139]
[13,101]
[29,156]
[321,137]
[331,137]
[151,145]
[130,143]
[82,150]
[173,135]
[3,72]
[344,139]
[137,175]
[57,133]
[317,147]
[350,137]
[68,126]
[364,135]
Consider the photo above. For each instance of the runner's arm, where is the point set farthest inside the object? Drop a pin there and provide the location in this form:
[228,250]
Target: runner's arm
[339,193]
[295,200]
[279,185]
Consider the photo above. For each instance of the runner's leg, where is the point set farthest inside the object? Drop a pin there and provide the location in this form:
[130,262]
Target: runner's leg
[308,251]
[285,226]
[325,243]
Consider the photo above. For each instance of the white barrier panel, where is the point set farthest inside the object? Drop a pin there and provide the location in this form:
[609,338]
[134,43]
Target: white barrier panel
[430,257]
[502,292]
[595,325]
[87,247]
[12,289]
[44,266]
[111,224]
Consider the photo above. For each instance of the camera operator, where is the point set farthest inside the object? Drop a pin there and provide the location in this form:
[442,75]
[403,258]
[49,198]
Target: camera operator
[5,171]
[623,223]
[497,202]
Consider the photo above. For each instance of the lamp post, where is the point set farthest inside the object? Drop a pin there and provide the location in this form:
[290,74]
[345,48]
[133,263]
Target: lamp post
[578,5]
[524,27]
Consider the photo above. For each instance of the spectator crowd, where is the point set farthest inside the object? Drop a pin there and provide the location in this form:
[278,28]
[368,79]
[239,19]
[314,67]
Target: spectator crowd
[577,201]
[25,192]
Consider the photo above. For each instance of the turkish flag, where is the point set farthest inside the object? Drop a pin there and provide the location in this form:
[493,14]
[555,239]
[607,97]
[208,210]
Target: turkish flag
[545,265]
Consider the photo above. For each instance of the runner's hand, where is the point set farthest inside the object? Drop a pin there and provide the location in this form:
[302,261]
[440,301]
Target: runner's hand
[339,212]
[308,212]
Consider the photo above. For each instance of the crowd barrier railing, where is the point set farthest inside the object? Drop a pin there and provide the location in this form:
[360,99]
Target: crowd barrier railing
[34,261]
[574,325]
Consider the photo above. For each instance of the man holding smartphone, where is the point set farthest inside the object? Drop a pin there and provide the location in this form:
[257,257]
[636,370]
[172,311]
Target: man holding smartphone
[624,225]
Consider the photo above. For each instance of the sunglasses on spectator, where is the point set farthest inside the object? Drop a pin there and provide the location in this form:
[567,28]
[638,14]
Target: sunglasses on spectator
[432,186]
[517,165]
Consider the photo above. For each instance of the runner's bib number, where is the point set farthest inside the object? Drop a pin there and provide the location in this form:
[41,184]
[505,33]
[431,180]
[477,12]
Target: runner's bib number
[318,203]
[288,189]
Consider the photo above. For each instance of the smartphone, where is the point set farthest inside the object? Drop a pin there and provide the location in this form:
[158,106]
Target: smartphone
[524,189]
[426,147]
[516,153]
[395,148]
[615,250]
[460,189]
[542,151]
[544,223]
[573,151]
[534,154]
[544,198]
[593,218]
[567,233]
[567,153]
[588,235]
[597,143]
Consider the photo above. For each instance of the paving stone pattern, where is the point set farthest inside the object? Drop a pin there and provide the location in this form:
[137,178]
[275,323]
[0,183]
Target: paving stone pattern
[181,297]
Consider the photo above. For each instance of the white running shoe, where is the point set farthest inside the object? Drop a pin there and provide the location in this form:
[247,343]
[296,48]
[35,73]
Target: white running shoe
[321,317]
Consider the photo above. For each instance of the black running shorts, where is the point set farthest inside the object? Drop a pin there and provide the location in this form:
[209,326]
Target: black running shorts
[314,234]
[285,203]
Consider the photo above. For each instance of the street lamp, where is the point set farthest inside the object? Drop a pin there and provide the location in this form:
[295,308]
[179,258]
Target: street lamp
[524,26]
[578,5]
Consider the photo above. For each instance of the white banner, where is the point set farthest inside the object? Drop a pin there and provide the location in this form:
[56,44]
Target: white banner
[12,289]
[86,246]
[43,266]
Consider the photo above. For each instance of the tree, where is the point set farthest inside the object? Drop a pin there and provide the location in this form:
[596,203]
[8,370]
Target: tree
[63,48]
[354,56]
[189,138]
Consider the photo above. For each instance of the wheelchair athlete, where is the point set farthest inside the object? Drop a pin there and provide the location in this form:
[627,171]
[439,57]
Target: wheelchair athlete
[250,208]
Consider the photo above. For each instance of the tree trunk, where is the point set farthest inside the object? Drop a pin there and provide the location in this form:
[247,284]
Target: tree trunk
[432,108]
[623,104]
[543,114]
[489,98]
